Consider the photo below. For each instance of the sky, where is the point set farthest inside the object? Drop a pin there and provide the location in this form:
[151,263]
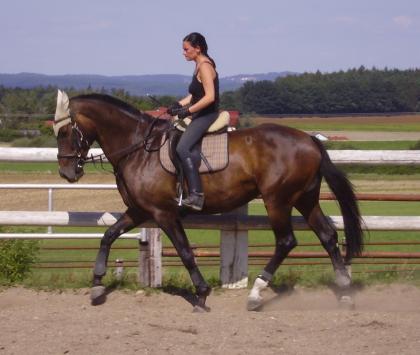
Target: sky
[129,37]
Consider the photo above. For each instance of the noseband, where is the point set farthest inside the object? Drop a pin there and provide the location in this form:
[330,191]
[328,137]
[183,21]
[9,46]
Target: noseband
[79,142]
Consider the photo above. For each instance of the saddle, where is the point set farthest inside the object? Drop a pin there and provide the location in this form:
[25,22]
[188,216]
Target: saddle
[210,153]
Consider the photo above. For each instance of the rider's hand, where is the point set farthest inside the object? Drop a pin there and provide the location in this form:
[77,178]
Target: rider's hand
[184,112]
[172,109]
[181,112]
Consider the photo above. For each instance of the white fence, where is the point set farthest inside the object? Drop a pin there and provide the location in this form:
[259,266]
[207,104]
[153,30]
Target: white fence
[337,156]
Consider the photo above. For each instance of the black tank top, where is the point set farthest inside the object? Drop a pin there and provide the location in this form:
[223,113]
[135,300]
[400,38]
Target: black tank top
[196,89]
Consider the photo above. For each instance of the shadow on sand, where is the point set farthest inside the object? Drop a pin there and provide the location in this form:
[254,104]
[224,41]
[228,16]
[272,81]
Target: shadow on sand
[344,297]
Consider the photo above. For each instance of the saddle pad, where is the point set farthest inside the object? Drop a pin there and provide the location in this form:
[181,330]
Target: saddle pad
[214,148]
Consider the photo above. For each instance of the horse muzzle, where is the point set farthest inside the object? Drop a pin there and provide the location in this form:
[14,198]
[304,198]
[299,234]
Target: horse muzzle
[71,175]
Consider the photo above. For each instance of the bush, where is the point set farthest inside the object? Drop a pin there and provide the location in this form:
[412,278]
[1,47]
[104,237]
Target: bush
[8,135]
[41,141]
[16,258]
[415,146]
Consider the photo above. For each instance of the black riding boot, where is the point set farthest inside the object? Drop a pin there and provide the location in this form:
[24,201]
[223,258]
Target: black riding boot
[195,199]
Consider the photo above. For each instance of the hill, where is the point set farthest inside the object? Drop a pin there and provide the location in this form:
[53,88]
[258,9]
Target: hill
[157,84]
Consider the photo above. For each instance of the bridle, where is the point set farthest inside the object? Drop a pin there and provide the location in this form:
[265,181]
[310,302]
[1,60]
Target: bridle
[79,142]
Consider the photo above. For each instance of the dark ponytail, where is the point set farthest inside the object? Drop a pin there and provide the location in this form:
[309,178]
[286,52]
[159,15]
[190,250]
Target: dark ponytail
[198,40]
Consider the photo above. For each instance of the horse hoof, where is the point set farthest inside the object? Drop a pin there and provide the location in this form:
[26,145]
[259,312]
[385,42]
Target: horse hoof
[97,295]
[201,309]
[347,302]
[254,304]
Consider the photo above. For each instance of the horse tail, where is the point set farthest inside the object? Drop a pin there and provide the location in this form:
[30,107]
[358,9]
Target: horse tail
[344,193]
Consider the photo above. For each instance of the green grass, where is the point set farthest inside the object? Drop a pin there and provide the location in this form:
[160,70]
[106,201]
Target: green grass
[353,176]
[18,167]
[370,145]
[52,168]
[349,126]
[379,171]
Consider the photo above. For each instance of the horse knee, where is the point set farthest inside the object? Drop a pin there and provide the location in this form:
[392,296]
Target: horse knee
[109,236]
[288,243]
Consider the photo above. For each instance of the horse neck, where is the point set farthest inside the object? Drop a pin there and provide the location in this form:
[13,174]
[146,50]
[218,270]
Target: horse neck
[115,129]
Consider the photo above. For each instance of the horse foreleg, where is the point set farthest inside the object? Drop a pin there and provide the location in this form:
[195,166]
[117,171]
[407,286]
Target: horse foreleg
[285,242]
[124,224]
[173,228]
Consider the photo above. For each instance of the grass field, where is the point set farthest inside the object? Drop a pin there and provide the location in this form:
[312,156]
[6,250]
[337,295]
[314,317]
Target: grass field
[372,145]
[409,123]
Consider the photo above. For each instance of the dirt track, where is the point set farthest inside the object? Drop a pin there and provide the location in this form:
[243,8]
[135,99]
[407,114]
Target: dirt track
[385,321]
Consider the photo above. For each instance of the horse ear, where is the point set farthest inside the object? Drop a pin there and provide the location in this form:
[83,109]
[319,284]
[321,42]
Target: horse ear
[59,95]
[62,108]
[65,100]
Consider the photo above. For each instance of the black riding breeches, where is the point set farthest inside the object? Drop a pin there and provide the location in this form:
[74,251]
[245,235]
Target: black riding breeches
[193,133]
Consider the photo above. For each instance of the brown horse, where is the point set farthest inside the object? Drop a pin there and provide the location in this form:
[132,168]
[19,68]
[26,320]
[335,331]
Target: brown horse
[283,165]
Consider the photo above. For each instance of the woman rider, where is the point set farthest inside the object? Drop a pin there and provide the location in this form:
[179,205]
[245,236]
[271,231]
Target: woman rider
[202,104]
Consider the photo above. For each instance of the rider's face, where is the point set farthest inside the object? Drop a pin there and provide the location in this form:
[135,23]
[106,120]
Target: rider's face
[190,52]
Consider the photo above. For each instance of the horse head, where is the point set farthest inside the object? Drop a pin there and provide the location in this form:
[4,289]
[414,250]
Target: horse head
[72,144]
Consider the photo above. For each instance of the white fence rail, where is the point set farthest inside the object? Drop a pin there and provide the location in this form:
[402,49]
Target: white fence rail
[337,156]
[216,222]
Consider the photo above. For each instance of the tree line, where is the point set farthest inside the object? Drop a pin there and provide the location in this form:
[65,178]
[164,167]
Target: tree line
[42,100]
[23,112]
[358,90]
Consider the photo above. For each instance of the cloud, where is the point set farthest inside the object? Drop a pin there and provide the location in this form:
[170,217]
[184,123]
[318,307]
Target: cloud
[403,21]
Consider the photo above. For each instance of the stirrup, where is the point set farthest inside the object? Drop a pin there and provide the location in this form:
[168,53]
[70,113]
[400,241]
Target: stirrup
[194,201]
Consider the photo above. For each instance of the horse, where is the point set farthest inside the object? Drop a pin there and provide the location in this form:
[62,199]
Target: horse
[282,165]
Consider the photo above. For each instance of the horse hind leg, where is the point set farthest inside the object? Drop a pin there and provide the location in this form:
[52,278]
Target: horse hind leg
[280,219]
[309,206]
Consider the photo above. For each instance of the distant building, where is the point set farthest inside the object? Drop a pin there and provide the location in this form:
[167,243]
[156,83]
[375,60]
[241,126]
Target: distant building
[160,112]
[234,118]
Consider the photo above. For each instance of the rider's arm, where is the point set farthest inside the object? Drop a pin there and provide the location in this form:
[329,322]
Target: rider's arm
[186,100]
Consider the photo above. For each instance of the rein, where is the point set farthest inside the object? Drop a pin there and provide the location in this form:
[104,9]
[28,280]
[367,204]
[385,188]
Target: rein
[82,143]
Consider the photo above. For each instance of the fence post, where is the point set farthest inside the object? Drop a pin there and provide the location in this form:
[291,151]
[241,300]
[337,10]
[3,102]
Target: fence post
[150,257]
[234,254]
[50,207]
